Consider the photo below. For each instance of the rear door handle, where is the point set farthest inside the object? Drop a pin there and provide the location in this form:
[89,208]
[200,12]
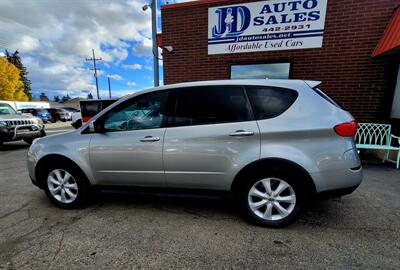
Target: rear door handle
[150,139]
[241,133]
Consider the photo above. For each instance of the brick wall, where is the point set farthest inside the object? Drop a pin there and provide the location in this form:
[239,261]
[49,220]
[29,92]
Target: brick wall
[353,28]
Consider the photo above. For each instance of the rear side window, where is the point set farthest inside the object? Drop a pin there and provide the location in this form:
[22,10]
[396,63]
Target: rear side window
[211,105]
[269,102]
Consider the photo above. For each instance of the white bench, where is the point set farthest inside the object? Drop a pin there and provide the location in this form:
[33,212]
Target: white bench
[378,137]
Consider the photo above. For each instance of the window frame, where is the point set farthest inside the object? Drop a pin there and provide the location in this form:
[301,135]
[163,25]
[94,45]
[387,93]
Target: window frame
[171,119]
[164,120]
[246,63]
[248,88]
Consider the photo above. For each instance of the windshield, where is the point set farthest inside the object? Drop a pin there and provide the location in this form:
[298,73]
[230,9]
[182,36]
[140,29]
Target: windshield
[6,109]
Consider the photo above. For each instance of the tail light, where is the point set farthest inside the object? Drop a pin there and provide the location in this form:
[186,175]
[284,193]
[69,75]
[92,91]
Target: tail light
[348,129]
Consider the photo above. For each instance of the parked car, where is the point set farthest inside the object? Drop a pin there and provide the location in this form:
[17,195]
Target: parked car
[41,113]
[15,127]
[271,144]
[71,109]
[76,119]
[60,114]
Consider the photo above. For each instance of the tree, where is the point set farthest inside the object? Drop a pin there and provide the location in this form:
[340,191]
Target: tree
[57,99]
[65,98]
[90,96]
[15,59]
[11,87]
[43,97]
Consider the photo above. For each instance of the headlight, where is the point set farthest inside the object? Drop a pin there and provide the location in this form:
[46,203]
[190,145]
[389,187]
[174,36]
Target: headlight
[3,123]
[39,121]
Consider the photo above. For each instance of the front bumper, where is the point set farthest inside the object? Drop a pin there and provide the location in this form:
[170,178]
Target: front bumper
[19,132]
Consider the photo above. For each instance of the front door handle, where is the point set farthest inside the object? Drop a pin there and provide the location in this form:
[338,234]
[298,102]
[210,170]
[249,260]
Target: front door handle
[241,133]
[150,139]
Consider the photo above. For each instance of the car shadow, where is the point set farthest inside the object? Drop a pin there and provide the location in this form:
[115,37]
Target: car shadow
[319,212]
[13,146]
[187,203]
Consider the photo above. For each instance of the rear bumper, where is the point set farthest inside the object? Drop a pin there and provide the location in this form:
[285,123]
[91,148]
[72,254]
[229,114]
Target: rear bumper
[337,181]
[334,193]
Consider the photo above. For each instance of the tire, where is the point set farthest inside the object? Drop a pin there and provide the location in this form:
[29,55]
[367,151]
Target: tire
[77,123]
[272,209]
[29,140]
[70,194]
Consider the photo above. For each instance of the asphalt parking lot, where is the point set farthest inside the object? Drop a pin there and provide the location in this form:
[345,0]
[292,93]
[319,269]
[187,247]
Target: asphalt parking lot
[360,231]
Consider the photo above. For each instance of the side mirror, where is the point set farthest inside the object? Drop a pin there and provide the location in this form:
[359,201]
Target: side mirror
[96,126]
[92,128]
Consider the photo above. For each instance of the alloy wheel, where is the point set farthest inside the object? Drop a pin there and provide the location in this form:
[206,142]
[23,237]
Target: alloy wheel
[62,186]
[271,199]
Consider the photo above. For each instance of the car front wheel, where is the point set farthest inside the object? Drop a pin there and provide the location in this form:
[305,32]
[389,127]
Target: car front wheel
[66,187]
[273,199]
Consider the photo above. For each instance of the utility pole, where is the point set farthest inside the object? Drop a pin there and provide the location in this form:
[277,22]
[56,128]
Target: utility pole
[153,7]
[95,71]
[109,86]
[154,37]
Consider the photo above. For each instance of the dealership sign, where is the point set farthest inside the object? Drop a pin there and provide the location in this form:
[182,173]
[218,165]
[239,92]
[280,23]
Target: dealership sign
[266,26]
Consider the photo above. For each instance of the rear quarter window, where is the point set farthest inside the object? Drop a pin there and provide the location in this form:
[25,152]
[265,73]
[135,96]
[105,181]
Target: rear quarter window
[269,102]
[326,97]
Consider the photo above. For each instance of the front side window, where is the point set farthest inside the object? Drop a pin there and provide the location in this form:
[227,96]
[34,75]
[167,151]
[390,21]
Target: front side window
[269,102]
[260,71]
[211,105]
[142,112]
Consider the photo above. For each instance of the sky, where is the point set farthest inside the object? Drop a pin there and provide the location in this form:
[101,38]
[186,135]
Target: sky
[54,37]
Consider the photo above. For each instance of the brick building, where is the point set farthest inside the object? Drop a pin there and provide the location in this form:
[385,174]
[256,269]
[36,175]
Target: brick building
[360,74]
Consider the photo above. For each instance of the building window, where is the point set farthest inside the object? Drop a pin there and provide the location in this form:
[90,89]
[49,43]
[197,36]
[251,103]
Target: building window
[260,71]
[396,99]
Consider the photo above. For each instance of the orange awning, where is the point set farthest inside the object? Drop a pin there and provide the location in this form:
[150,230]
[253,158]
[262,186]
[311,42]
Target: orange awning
[390,40]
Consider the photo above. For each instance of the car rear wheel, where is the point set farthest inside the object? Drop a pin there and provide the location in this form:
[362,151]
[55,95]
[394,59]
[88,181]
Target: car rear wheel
[273,199]
[66,187]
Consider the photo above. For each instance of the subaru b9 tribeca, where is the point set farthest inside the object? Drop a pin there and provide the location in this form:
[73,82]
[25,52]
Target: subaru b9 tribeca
[272,144]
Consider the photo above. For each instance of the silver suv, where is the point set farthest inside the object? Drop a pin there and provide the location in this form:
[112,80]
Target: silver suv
[272,144]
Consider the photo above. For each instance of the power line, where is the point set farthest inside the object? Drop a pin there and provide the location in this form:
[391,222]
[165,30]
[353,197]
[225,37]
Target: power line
[94,59]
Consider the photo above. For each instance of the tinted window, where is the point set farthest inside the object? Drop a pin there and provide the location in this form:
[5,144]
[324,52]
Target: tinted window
[270,102]
[143,112]
[211,105]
